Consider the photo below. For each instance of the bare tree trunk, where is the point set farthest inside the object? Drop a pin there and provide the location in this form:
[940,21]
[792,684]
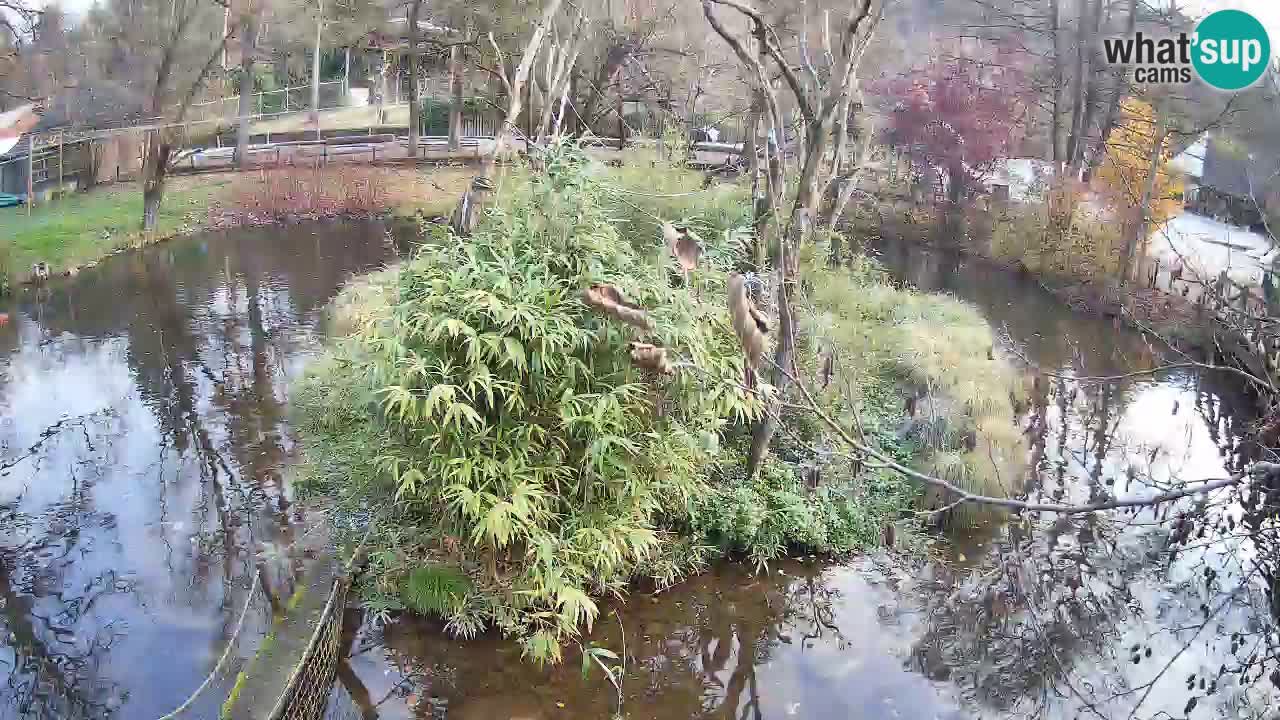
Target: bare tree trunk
[784,352]
[466,215]
[615,58]
[846,186]
[455,98]
[415,63]
[574,124]
[1129,262]
[818,117]
[1077,85]
[1055,129]
[155,165]
[751,149]
[1090,100]
[315,70]
[155,170]
[1119,77]
[560,62]
[248,48]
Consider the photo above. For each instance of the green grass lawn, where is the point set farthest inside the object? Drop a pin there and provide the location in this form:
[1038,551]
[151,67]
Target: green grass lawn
[83,227]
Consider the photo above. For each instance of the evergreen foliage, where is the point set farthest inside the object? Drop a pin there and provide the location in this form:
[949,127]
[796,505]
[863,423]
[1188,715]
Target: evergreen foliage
[508,414]
[527,468]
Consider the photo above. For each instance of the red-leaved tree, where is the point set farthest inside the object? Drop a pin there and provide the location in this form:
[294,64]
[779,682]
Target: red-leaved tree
[958,116]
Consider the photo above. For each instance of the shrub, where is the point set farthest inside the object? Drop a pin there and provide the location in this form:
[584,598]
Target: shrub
[642,191]
[509,419]
[527,468]
[776,514]
[290,192]
[1088,246]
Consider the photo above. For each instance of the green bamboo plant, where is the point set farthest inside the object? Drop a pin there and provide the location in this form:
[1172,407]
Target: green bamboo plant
[513,422]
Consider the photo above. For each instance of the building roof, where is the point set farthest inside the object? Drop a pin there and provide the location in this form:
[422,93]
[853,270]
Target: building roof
[14,123]
[1227,167]
[1191,160]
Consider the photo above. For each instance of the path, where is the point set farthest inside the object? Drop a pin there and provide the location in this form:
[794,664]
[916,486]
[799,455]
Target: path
[348,149]
[267,673]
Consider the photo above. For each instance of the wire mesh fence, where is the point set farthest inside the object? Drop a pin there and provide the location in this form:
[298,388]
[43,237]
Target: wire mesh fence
[306,697]
[333,94]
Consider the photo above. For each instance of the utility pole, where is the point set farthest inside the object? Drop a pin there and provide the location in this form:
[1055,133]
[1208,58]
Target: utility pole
[31,171]
[315,72]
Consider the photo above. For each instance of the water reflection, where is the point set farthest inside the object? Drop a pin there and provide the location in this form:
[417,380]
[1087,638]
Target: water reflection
[1161,613]
[805,641]
[141,449]
[1128,614]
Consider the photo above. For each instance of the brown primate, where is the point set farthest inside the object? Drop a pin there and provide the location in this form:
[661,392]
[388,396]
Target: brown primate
[750,325]
[650,357]
[684,244]
[828,366]
[610,301]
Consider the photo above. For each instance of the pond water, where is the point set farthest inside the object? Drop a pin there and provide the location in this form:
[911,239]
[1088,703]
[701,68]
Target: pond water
[144,446]
[143,441]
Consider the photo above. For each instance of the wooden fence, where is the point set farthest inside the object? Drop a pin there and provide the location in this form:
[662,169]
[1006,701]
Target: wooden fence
[1245,317]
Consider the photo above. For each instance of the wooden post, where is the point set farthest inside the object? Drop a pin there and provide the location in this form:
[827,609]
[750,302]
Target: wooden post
[315,71]
[622,135]
[62,139]
[31,165]
[528,123]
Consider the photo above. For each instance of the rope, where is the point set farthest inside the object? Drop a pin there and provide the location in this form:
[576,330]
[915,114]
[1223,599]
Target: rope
[226,653]
[286,695]
[287,701]
[222,660]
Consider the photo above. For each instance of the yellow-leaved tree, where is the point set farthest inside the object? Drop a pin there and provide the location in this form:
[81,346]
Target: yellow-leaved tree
[1122,179]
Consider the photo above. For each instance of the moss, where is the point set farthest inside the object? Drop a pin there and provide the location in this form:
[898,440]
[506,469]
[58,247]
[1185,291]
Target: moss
[295,599]
[234,695]
[242,677]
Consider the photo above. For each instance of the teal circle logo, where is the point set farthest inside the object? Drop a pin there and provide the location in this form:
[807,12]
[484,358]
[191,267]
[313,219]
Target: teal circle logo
[1231,50]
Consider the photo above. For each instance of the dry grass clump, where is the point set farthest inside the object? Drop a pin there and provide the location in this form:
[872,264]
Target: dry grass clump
[293,192]
[300,193]
[940,353]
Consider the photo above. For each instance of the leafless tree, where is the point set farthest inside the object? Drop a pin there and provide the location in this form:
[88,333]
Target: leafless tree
[180,72]
[249,23]
[824,101]
[470,207]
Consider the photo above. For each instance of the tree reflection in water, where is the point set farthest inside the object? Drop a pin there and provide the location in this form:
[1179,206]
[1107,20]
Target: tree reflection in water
[141,461]
[1126,615]
[804,641]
